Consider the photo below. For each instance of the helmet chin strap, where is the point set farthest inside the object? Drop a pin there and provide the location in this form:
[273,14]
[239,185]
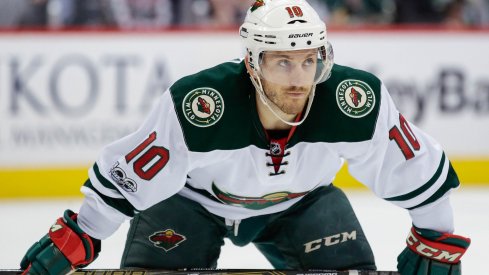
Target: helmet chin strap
[269,103]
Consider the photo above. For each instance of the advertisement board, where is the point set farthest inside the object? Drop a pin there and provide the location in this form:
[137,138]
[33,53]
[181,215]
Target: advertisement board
[64,95]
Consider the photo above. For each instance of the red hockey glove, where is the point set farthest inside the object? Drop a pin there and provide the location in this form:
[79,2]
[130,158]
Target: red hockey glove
[430,252]
[64,248]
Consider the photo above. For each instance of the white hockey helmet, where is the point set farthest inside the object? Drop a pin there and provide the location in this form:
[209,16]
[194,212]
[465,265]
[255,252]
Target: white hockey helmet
[285,25]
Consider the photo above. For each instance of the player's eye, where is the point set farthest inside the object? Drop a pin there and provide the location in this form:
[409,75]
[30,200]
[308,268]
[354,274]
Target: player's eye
[284,63]
[309,62]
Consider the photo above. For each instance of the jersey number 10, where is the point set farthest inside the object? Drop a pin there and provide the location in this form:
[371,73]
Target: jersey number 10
[156,157]
[400,139]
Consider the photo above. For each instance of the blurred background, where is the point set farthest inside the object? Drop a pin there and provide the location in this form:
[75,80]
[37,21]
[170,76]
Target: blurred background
[76,75]
[129,14]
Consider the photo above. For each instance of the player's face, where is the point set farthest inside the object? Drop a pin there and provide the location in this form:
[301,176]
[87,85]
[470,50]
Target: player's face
[287,78]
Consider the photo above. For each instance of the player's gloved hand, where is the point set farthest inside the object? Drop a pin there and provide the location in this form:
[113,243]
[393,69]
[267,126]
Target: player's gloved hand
[430,252]
[64,248]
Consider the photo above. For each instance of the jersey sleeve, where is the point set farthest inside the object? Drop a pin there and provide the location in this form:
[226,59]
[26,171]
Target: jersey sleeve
[136,172]
[404,165]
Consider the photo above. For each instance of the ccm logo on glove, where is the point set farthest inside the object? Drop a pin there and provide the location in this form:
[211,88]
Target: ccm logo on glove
[434,249]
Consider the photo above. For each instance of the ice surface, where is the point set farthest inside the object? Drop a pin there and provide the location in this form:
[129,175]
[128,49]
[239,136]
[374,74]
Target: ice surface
[24,221]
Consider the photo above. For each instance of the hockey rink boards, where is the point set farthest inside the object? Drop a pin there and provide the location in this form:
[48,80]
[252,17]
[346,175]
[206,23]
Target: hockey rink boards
[215,272]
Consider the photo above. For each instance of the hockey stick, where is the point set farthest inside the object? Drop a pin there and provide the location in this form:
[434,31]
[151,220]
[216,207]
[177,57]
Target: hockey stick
[197,271]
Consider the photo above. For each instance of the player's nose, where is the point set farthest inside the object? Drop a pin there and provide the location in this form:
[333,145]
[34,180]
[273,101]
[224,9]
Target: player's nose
[297,77]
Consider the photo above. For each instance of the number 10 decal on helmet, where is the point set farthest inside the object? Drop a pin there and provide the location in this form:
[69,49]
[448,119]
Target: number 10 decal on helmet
[291,28]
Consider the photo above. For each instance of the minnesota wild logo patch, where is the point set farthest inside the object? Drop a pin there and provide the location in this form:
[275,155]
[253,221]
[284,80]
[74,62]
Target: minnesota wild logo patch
[257,4]
[166,239]
[355,98]
[203,107]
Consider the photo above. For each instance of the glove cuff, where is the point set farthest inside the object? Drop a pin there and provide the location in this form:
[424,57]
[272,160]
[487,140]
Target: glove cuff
[78,248]
[438,249]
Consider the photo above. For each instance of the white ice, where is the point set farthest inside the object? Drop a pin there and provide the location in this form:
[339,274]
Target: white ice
[24,221]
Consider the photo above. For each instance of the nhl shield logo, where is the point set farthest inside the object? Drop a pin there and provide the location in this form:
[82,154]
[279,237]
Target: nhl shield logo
[275,148]
[203,107]
[166,239]
[355,98]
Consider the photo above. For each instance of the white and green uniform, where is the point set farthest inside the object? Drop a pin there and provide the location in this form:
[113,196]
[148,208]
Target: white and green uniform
[203,140]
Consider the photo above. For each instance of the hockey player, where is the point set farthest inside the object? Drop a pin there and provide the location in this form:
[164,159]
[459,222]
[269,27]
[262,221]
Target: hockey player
[248,150]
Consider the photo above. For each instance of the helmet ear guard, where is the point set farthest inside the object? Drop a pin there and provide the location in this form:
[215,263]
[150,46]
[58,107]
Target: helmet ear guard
[328,55]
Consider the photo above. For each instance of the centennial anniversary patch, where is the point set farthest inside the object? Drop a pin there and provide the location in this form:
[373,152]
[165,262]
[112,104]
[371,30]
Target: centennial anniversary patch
[355,98]
[203,107]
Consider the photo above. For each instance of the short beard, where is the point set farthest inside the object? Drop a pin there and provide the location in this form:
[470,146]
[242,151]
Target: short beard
[289,109]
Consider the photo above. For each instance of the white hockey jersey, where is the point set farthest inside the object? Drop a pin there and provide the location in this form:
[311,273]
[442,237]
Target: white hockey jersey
[204,141]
